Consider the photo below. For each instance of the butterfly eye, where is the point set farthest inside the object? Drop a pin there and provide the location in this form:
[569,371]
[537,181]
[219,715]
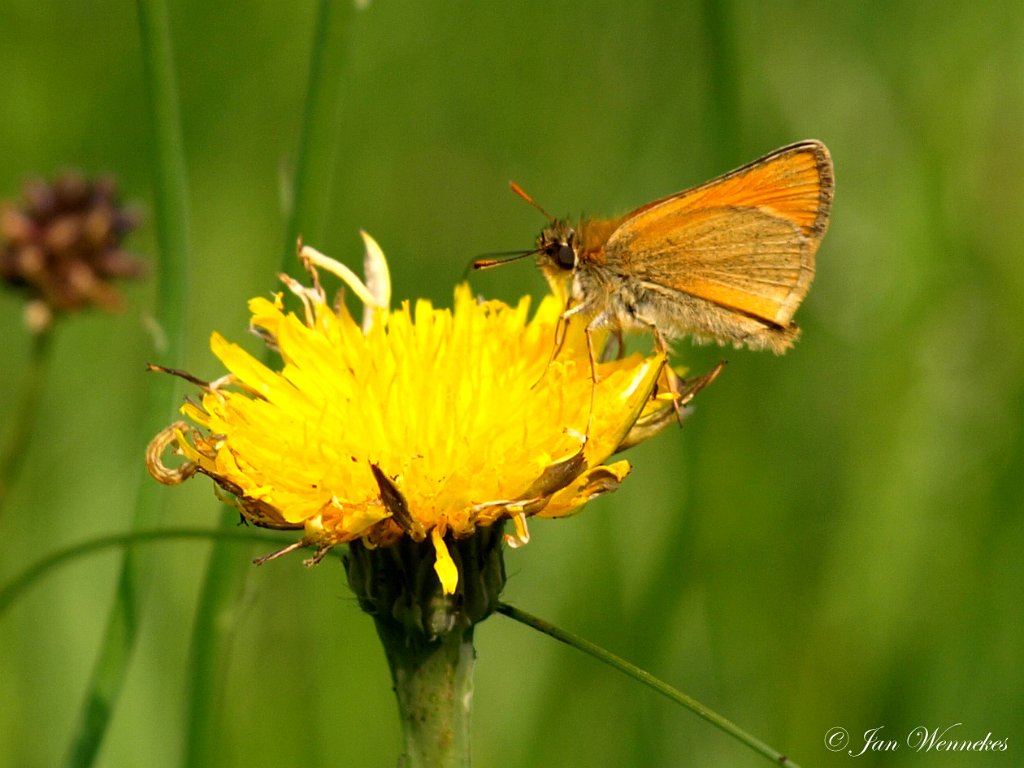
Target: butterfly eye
[565,254]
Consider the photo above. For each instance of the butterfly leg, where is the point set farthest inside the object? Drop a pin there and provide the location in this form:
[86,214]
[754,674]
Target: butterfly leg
[676,386]
[614,348]
[561,331]
[682,390]
[592,356]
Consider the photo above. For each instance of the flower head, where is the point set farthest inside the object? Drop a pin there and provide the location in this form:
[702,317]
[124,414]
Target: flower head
[63,245]
[418,423]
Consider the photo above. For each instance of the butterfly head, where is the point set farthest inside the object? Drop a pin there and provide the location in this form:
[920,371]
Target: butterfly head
[556,249]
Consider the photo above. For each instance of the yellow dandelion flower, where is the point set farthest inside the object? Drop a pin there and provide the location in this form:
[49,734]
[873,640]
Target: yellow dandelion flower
[419,423]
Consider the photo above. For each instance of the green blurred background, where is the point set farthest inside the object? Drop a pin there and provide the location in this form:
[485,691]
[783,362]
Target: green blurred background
[835,537]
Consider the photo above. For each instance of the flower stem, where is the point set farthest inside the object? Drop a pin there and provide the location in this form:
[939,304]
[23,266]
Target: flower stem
[20,432]
[434,685]
[428,634]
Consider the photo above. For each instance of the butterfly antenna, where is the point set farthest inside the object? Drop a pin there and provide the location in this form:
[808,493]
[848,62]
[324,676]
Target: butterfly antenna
[522,193]
[489,260]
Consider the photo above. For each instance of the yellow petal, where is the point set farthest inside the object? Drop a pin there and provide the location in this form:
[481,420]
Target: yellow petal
[592,483]
[444,566]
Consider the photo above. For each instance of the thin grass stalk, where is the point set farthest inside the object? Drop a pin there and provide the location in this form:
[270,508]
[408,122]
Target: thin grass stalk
[227,569]
[722,139]
[13,590]
[19,433]
[171,220]
[722,71]
[641,676]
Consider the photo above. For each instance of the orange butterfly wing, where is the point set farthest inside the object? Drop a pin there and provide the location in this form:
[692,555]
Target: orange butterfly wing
[745,240]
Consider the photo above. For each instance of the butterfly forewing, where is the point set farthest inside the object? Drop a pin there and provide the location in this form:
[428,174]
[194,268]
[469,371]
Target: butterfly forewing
[756,264]
[745,241]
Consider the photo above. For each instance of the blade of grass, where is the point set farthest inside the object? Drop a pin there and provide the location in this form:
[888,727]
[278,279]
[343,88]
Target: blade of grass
[227,570]
[723,111]
[20,431]
[17,586]
[317,149]
[212,632]
[171,219]
[631,670]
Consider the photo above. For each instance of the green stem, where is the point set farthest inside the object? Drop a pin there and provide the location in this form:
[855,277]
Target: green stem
[427,634]
[649,680]
[171,218]
[20,433]
[434,686]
